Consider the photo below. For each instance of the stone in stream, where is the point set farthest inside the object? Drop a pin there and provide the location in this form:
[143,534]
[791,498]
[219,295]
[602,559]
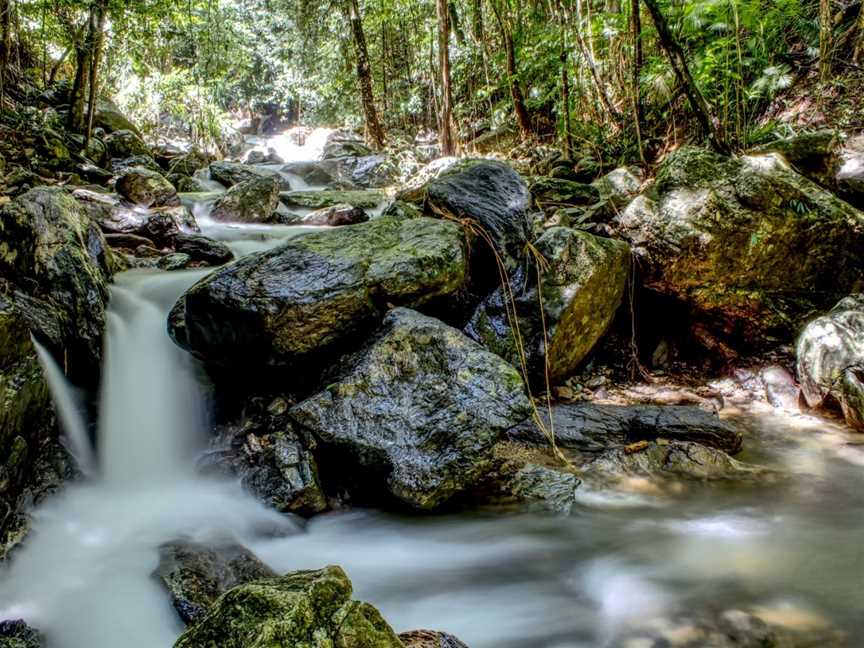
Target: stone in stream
[17,634]
[753,248]
[305,608]
[203,249]
[250,201]
[342,214]
[123,144]
[196,574]
[319,291]
[362,199]
[317,174]
[188,163]
[580,290]
[418,409]
[175,261]
[493,197]
[147,188]
[430,639]
[830,353]
[556,192]
[234,173]
[59,268]
[187,184]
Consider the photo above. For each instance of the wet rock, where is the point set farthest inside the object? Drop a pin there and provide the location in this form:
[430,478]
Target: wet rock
[815,155]
[372,171]
[187,184]
[203,249]
[196,574]
[175,261]
[751,246]
[147,188]
[269,156]
[580,290]
[318,291]
[127,241]
[341,144]
[274,461]
[161,226]
[233,173]
[365,199]
[414,191]
[419,408]
[188,163]
[430,639]
[119,166]
[343,214]
[294,610]
[17,634]
[544,487]
[60,266]
[850,175]
[555,192]
[780,388]
[830,353]
[591,427]
[493,197]
[250,201]
[109,118]
[619,186]
[123,144]
[316,174]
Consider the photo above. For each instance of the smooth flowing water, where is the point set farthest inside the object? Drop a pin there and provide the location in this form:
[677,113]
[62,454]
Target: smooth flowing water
[497,580]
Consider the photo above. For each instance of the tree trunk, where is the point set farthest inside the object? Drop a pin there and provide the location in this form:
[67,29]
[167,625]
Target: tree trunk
[75,118]
[858,54]
[638,108]
[825,40]
[592,66]
[445,133]
[364,75]
[97,41]
[565,83]
[682,72]
[523,118]
[5,22]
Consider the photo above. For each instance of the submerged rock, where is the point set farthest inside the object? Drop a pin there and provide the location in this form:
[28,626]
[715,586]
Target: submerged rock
[147,188]
[250,201]
[830,352]
[430,639]
[306,608]
[751,246]
[419,408]
[342,214]
[60,266]
[493,197]
[318,291]
[580,291]
[195,574]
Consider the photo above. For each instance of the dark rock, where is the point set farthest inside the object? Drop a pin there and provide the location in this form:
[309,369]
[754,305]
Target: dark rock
[203,249]
[293,610]
[342,144]
[187,184]
[119,166]
[589,427]
[195,574]
[753,248]
[494,198]
[233,173]
[123,144]
[60,265]
[420,407]
[317,291]
[127,241]
[336,215]
[147,188]
[316,174]
[366,199]
[430,639]
[175,261]
[814,155]
[372,171]
[17,634]
[581,287]
[554,192]
[250,201]
[262,157]
[830,352]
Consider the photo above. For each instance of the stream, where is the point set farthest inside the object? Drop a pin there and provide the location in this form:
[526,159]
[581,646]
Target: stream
[494,579]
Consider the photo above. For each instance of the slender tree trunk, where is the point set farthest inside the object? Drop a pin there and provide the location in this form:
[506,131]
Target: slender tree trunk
[825,39]
[5,22]
[679,65]
[445,134]
[636,91]
[588,55]
[97,41]
[75,118]
[523,118]
[364,75]
[565,82]
[55,69]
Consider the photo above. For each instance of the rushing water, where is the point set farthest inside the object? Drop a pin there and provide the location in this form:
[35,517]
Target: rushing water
[792,551]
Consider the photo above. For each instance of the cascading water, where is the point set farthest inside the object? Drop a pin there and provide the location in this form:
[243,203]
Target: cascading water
[494,580]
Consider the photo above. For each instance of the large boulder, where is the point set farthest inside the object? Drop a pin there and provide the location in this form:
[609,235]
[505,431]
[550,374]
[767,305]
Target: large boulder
[203,249]
[582,281]
[188,163]
[59,266]
[233,173]
[123,144]
[815,155]
[751,246]
[251,201]
[307,608]
[316,174]
[493,198]
[365,199]
[830,352]
[109,118]
[553,192]
[196,574]
[336,215]
[418,409]
[318,291]
[147,188]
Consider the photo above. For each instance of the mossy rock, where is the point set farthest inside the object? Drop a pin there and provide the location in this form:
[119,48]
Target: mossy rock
[307,609]
[250,201]
[363,199]
[124,144]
